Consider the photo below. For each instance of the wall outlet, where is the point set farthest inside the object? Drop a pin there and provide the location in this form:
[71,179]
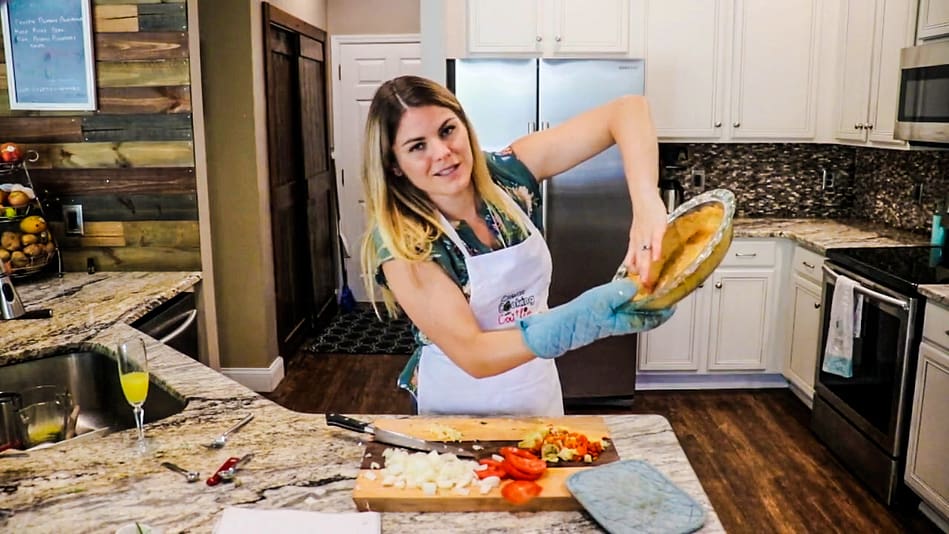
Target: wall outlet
[72,217]
[917,193]
[698,179]
[827,179]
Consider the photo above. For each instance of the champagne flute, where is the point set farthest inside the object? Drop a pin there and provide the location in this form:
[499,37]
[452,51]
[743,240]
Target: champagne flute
[133,375]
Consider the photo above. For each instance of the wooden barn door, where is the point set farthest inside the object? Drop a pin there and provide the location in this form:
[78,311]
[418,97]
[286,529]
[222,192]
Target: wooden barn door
[302,184]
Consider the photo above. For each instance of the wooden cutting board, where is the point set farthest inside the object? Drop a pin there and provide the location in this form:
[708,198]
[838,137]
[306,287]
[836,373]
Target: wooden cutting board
[372,495]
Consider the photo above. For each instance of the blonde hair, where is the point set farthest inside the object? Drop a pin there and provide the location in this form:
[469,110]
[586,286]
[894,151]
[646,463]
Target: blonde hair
[403,215]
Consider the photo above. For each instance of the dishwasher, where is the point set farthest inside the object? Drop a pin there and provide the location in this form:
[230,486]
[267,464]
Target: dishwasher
[173,323]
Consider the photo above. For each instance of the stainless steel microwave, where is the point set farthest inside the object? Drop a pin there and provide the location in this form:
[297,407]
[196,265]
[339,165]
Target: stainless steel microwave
[923,107]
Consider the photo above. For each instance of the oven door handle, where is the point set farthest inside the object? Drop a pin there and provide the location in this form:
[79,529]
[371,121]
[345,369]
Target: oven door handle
[869,292]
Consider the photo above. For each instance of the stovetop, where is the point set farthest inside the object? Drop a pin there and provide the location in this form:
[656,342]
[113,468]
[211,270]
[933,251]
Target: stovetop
[901,268]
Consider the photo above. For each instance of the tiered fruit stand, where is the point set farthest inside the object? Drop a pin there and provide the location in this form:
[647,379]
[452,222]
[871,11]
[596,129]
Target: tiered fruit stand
[26,242]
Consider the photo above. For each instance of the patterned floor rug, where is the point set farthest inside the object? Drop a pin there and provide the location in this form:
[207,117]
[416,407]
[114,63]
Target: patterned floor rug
[361,332]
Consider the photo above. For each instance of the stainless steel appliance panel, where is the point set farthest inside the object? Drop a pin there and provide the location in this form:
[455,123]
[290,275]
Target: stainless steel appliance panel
[499,97]
[923,106]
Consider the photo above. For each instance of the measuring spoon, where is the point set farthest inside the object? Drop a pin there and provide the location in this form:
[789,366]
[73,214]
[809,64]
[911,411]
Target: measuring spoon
[190,476]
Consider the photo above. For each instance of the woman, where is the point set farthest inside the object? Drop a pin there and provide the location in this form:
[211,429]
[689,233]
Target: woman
[453,239]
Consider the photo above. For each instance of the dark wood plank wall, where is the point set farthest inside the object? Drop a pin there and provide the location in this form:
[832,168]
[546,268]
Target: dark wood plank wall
[130,164]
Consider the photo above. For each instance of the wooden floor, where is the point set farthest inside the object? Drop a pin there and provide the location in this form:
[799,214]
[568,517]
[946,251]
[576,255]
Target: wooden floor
[762,468]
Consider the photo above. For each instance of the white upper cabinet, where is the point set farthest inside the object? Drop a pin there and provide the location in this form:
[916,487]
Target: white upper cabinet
[549,28]
[774,69]
[685,66]
[871,33]
[933,19]
[733,69]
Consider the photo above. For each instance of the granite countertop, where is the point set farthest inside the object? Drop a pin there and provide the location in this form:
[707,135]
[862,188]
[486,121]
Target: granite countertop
[819,235]
[100,483]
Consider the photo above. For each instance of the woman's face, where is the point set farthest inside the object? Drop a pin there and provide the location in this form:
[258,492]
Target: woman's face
[432,150]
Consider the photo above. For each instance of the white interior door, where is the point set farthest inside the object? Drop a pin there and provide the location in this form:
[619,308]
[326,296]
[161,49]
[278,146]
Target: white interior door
[362,64]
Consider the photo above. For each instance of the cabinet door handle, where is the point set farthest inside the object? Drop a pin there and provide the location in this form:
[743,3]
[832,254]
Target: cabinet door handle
[718,124]
[808,265]
[817,305]
[868,126]
[745,254]
[557,38]
[718,285]
[539,38]
[859,126]
[736,124]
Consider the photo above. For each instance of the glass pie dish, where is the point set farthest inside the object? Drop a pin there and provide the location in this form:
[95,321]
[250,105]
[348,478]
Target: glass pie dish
[697,237]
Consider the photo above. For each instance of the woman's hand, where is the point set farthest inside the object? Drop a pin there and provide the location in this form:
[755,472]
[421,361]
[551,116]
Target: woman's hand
[645,237]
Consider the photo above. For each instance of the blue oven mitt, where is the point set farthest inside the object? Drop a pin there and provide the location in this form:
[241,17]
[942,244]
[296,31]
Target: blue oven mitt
[599,312]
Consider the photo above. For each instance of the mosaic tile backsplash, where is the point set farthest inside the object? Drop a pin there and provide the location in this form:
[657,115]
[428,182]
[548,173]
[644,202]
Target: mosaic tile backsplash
[787,180]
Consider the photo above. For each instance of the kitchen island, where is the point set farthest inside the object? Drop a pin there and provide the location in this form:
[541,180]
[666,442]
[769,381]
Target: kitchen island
[100,483]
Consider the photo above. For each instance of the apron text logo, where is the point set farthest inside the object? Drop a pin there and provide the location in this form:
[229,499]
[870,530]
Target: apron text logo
[515,306]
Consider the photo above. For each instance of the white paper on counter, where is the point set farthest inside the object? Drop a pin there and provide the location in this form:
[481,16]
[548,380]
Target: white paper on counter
[243,520]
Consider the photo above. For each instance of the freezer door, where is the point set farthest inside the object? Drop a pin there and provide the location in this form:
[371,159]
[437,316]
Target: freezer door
[588,214]
[498,95]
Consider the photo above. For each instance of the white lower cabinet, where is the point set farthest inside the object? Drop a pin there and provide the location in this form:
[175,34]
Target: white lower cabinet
[740,319]
[928,455]
[725,326]
[801,368]
[803,315]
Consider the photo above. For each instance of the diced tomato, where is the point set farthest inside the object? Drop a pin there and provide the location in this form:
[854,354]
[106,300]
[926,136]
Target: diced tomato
[515,451]
[520,491]
[490,462]
[491,472]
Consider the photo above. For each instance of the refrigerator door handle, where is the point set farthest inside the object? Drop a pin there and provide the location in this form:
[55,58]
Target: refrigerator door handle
[543,209]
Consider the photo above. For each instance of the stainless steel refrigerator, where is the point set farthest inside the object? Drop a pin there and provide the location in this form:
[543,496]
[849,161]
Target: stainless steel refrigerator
[587,210]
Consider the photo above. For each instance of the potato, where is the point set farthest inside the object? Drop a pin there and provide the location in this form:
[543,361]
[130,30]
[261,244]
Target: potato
[49,247]
[29,239]
[4,254]
[19,259]
[11,241]
[34,250]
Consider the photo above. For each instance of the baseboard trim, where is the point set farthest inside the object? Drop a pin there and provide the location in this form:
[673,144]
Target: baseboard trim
[651,381]
[260,379]
[933,515]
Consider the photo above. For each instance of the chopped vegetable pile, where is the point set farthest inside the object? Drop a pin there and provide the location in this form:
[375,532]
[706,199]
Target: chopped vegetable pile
[554,444]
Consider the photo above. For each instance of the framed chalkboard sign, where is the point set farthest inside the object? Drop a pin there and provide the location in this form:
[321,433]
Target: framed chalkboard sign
[49,56]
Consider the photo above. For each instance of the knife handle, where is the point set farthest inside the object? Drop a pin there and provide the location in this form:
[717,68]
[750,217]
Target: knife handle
[335,419]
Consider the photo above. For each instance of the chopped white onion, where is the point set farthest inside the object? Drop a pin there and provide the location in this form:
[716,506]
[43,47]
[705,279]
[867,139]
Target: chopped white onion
[497,457]
[427,471]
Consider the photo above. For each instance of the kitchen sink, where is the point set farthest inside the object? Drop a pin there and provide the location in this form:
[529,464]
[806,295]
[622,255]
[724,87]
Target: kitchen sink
[93,380]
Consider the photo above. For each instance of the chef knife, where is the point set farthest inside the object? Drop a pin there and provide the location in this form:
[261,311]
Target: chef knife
[395,438]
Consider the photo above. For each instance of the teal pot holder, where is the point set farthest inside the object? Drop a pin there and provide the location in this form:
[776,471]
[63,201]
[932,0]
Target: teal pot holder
[632,496]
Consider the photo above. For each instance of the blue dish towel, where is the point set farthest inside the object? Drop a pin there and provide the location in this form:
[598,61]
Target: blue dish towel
[843,328]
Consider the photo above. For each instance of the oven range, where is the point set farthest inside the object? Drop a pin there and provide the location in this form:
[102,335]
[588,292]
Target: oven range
[864,418]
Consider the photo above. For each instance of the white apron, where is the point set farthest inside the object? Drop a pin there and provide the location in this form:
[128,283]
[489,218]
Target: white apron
[506,285]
